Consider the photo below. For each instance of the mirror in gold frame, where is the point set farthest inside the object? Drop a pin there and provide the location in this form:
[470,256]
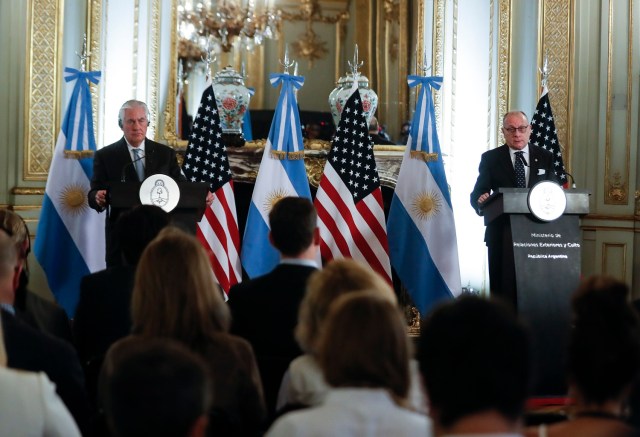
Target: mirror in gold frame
[321,36]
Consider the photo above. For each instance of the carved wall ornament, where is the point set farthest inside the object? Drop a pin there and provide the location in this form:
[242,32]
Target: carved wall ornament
[308,46]
[617,191]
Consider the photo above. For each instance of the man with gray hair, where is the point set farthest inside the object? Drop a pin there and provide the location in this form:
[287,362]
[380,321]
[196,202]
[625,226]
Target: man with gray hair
[132,158]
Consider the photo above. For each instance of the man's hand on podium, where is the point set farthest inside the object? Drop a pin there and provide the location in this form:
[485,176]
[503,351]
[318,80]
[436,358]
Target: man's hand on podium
[209,199]
[482,198]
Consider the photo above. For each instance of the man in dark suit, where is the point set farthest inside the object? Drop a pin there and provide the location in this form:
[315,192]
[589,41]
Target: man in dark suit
[32,350]
[103,313]
[133,158]
[498,169]
[265,310]
[36,311]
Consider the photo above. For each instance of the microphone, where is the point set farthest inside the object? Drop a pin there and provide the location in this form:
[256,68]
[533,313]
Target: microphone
[573,181]
[124,168]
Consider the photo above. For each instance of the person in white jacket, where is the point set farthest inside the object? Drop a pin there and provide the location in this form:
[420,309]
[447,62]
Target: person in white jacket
[29,405]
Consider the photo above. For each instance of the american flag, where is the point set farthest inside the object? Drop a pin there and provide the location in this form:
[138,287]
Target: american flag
[206,161]
[349,199]
[545,135]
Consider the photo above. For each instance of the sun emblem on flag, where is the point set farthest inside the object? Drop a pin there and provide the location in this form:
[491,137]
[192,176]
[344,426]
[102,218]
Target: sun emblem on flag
[274,197]
[73,199]
[426,205]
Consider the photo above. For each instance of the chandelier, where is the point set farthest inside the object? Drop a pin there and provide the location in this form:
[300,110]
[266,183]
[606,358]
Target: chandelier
[219,26]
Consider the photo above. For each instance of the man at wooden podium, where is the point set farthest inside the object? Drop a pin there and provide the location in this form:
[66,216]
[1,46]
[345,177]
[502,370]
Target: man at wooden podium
[516,164]
[133,158]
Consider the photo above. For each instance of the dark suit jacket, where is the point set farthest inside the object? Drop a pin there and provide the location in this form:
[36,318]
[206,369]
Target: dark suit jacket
[112,164]
[32,350]
[104,310]
[44,315]
[265,312]
[496,171]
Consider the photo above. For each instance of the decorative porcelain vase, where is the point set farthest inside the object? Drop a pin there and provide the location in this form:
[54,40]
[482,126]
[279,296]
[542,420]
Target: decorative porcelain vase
[232,98]
[339,96]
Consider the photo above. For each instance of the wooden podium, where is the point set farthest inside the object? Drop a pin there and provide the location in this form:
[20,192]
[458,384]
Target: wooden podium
[188,212]
[545,259]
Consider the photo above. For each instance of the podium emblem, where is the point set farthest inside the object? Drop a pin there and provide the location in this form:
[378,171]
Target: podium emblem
[160,190]
[547,201]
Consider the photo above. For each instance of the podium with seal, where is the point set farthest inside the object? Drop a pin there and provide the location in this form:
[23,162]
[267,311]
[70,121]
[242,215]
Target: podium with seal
[184,201]
[538,236]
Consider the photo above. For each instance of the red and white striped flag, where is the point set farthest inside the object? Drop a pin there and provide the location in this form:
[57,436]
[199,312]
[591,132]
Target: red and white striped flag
[349,199]
[206,161]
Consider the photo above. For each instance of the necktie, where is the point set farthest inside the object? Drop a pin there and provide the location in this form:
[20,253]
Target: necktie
[137,164]
[521,181]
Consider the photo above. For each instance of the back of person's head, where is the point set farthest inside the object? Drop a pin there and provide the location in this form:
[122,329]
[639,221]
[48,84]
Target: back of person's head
[338,277]
[17,229]
[293,221]
[474,357]
[156,388]
[8,267]
[174,293]
[137,227]
[364,344]
[373,125]
[604,343]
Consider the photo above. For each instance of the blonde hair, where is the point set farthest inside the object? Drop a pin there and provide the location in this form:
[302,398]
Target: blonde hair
[337,278]
[364,344]
[175,294]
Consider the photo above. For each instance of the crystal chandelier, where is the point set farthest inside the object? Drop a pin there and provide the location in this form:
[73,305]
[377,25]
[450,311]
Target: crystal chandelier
[205,25]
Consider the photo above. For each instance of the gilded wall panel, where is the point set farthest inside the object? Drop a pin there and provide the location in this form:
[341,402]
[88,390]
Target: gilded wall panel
[504,50]
[42,103]
[557,44]
[619,86]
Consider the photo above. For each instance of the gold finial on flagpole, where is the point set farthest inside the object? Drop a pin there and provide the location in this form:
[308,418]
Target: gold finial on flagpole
[424,66]
[287,63]
[208,61]
[545,70]
[355,65]
[84,55]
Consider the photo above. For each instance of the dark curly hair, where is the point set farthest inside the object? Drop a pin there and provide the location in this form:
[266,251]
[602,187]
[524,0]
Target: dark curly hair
[604,344]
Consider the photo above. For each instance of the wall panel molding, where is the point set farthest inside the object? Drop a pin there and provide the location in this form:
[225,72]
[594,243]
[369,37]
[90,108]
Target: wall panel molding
[42,86]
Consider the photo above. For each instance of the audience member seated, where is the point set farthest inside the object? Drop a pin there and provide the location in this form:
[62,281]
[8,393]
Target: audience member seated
[265,309]
[175,297]
[376,133]
[364,353]
[29,405]
[475,361]
[36,311]
[104,310]
[603,362]
[156,388]
[304,384]
[32,350]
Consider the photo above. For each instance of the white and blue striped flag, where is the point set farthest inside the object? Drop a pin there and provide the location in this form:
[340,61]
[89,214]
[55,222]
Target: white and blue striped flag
[281,174]
[70,238]
[422,234]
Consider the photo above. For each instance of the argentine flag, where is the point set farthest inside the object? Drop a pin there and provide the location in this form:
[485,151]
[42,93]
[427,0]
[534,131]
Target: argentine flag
[422,234]
[70,238]
[281,174]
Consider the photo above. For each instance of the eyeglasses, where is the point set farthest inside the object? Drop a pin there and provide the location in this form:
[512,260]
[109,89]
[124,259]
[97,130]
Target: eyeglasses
[512,130]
